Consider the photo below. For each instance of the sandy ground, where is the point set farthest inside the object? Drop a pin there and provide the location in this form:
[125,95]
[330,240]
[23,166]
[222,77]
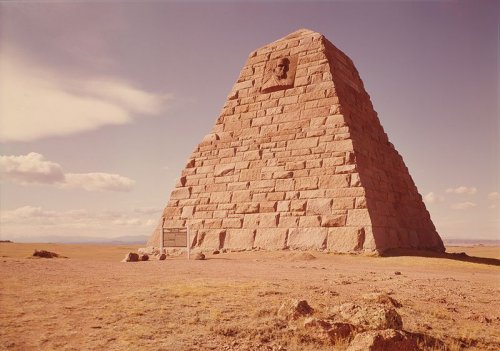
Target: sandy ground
[92,301]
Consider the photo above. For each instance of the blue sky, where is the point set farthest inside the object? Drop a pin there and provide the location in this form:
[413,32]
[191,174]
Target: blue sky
[101,103]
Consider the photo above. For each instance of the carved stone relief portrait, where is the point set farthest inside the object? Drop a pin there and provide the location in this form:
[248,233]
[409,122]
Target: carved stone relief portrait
[279,74]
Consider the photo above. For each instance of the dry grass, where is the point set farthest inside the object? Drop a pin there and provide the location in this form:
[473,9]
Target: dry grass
[91,301]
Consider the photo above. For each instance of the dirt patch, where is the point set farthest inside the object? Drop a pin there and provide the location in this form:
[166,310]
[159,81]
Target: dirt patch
[299,256]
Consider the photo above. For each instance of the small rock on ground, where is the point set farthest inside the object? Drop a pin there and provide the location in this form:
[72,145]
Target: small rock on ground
[381,298]
[45,254]
[199,256]
[294,309]
[131,257]
[383,340]
[328,330]
[371,317]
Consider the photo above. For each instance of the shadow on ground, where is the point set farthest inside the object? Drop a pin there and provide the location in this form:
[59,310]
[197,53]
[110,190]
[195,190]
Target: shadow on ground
[461,256]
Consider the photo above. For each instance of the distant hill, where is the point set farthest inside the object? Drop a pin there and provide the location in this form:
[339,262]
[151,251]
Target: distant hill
[471,242]
[132,239]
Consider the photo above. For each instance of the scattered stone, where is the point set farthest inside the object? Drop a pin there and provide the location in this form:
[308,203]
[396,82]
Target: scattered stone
[318,328]
[294,309]
[365,328]
[327,330]
[313,322]
[144,257]
[381,298]
[481,319]
[131,257]
[327,292]
[341,330]
[375,317]
[199,256]
[150,251]
[383,340]
[174,252]
[162,257]
[45,254]
[427,342]
[397,273]
[216,252]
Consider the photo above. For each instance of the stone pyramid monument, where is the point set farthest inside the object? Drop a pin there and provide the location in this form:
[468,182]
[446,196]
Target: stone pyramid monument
[298,159]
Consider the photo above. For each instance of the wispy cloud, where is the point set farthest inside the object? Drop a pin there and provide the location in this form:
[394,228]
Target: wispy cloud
[38,215]
[148,210]
[462,190]
[25,213]
[33,168]
[37,103]
[463,205]
[98,182]
[432,198]
[493,196]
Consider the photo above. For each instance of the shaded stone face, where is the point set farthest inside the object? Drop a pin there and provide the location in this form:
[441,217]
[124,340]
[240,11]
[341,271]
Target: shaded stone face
[281,68]
[298,159]
[279,74]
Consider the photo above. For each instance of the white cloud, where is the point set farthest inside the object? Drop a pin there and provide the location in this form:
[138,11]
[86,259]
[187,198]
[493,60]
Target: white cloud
[432,198]
[36,103]
[26,212]
[33,168]
[30,168]
[98,182]
[148,210]
[493,196]
[463,205]
[123,94]
[151,222]
[462,190]
[128,221]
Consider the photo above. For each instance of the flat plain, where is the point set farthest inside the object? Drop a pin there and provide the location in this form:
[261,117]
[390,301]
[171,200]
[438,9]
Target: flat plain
[92,301]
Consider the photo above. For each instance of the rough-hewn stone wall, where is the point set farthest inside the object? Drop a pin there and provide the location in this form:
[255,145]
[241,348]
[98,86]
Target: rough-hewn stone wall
[397,213]
[299,162]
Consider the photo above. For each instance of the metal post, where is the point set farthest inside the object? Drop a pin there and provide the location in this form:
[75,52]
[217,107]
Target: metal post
[188,243]
[162,233]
